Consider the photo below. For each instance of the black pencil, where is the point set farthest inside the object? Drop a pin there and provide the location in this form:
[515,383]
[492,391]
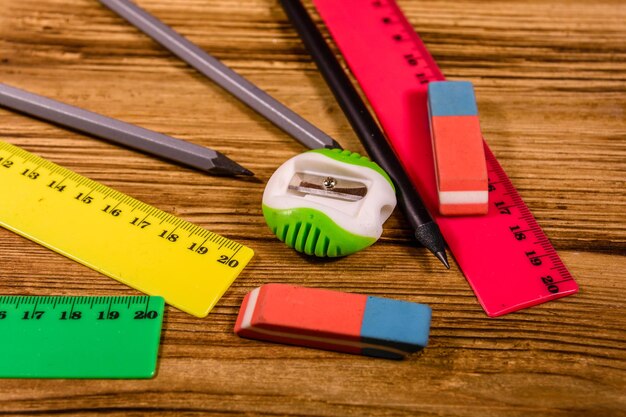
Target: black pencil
[425,229]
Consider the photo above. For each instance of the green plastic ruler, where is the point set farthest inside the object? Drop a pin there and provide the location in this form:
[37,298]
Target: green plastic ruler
[79,337]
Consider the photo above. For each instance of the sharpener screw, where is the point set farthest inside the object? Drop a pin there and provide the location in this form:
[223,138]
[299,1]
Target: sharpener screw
[329,182]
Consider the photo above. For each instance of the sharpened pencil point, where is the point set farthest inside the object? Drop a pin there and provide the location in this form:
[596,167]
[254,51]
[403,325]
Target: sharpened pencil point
[429,235]
[335,145]
[246,172]
[443,258]
[222,165]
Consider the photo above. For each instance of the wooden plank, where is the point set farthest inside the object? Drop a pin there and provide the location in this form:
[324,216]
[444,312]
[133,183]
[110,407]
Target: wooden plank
[549,79]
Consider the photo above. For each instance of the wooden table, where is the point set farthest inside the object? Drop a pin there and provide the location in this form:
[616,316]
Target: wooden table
[550,79]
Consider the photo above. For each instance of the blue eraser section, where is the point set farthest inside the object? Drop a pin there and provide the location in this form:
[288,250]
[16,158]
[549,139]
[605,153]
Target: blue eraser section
[399,324]
[451,98]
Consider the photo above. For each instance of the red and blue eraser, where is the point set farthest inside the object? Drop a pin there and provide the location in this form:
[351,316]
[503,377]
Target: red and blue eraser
[459,155]
[333,320]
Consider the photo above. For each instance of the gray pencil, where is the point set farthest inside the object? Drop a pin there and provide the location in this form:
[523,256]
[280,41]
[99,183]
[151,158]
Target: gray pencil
[303,131]
[135,137]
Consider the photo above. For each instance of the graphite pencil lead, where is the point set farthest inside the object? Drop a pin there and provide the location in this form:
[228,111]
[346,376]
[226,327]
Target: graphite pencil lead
[428,234]
[443,258]
[334,145]
[223,165]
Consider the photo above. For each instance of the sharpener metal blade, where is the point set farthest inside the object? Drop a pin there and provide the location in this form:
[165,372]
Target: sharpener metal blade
[328,186]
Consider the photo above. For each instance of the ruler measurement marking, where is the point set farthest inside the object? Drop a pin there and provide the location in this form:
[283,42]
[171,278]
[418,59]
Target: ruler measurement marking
[171,234]
[563,280]
[72,308]
[34,309]
[233,255]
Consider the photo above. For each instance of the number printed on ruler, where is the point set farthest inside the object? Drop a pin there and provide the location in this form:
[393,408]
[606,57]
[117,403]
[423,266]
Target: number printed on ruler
[115,234]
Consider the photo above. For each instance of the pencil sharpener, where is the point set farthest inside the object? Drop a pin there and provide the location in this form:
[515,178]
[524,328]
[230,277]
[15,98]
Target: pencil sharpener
[328,202]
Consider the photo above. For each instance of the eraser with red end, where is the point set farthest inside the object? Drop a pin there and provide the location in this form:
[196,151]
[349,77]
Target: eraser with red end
[460,164]
[333,320]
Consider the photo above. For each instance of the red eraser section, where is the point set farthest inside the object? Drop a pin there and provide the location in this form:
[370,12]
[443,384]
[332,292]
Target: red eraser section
[459,155]
[303,316]
[463,209]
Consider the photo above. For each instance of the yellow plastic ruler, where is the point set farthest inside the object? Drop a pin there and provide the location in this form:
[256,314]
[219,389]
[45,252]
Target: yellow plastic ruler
[123,238]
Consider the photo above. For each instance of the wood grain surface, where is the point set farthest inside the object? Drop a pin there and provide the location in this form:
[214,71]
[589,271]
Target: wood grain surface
[550,77]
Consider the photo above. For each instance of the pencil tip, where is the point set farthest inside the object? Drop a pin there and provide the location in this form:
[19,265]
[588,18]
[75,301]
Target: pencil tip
[429,235]
[222,165]
[335,145]
[443,258]
[246,172]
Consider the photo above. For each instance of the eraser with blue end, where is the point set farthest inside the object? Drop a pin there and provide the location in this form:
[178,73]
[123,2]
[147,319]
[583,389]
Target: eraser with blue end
[451,98]
[458,150]
[333,320]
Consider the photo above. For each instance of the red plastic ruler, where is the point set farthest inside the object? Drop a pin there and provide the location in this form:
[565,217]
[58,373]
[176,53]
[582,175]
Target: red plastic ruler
[507,259]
